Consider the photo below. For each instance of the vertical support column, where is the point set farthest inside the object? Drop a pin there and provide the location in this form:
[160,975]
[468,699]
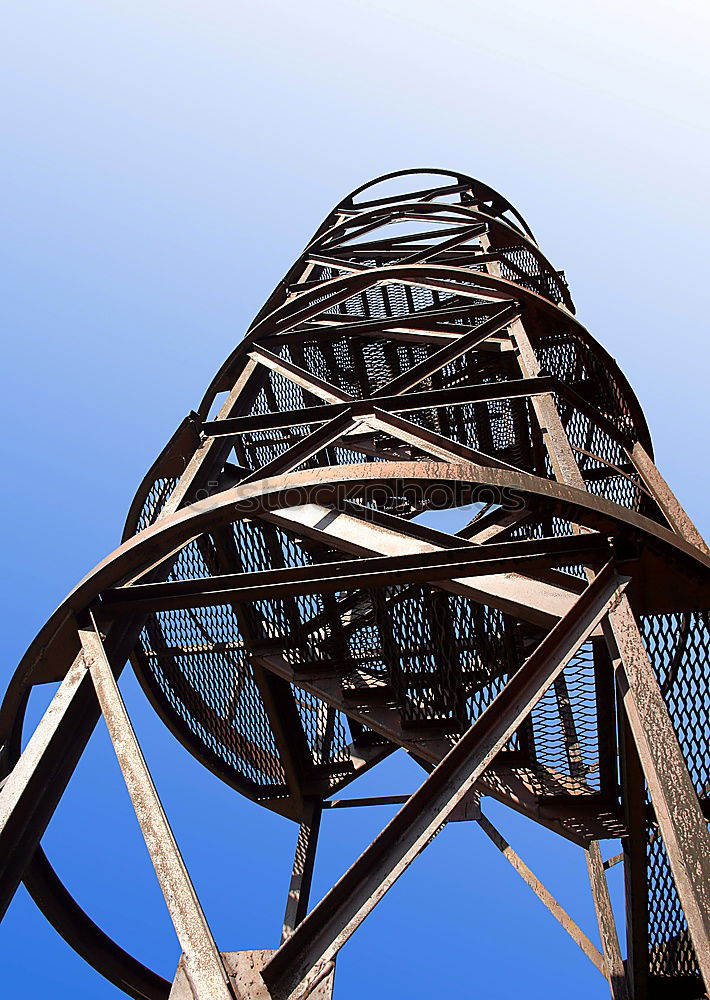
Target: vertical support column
[566,470]
[564,464]
[607,926]
[303,862]
[38,769]
[665,497]
[201,960]
[635,862]
[680,818]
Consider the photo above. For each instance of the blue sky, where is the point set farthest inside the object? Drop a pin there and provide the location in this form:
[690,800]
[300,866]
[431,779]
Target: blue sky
[163,164]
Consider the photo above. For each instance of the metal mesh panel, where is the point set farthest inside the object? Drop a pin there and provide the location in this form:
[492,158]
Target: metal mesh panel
[564,728]
[671,951]
[158,495]
[487,650]
[324,728]
[603,463]
[263,546]
[278,393]
[196,656]
[198,660]
[446,656]
[520,265]
[573,363]
[679,648]
[415,632]
[334,361]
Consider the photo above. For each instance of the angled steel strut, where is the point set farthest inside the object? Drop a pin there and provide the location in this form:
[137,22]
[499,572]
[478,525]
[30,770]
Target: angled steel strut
[416,508]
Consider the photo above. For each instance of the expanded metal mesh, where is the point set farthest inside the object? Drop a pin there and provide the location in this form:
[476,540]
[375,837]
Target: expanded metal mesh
[520,265]
[565,729]
[438,657]
[197,658]
[671,952]
[198,661]
[156,498]
[679,648]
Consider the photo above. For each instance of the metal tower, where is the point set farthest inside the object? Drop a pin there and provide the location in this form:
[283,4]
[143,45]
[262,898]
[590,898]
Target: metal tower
[416,508]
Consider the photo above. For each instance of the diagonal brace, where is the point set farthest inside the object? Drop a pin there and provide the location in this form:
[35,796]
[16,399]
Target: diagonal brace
[328,926]
[683,827]
[201,959]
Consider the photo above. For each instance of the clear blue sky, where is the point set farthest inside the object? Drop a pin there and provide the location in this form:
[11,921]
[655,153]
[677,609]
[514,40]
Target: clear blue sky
[163,163]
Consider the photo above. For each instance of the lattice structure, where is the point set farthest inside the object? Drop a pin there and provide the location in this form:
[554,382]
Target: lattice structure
[416,508]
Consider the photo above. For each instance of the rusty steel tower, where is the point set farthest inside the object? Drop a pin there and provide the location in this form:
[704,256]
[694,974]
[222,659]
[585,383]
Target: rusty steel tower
[416,508]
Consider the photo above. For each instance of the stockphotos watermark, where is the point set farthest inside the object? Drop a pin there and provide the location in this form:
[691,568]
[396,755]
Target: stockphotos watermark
[391,494]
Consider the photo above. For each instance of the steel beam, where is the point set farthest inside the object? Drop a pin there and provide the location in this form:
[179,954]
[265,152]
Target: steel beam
[522,557]
[202,961]
[541,603]
[543,894]
[21,806]
[303,863]
[665,498]
[340,912]
[680,819]
[613,964]
[423,400]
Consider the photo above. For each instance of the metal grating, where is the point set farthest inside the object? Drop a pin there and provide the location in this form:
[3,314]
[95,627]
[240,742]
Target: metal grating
[679,648]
